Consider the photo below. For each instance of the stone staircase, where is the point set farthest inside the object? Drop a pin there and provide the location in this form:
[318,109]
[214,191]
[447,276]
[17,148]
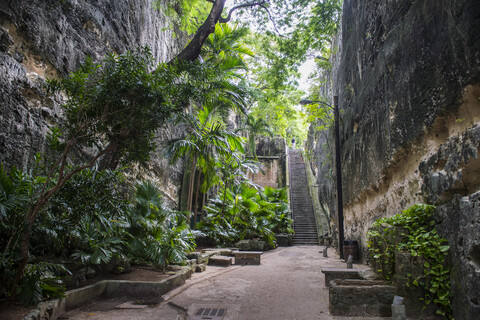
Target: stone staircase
[304,225]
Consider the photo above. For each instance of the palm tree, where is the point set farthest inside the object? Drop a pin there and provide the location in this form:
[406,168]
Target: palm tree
[208,142]
[255,127]
[225,46]
[205,144]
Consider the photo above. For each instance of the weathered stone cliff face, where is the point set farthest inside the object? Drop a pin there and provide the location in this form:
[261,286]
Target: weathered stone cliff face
[49,38]
[408,83]
[271,153]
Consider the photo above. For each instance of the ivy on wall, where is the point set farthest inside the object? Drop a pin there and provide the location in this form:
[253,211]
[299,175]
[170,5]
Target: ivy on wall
[414,232]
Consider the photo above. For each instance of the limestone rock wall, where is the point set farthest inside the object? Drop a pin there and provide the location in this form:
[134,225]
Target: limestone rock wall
[271,153]
[408,82]
[49,38]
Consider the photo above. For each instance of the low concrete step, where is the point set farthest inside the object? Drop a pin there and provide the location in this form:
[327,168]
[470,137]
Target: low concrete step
[220,261]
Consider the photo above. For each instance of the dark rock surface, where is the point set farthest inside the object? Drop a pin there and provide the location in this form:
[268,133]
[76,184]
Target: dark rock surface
[271,152]
[47,39]
[269,147]
[362,298]
[408,84]
[460,224]
[403,64]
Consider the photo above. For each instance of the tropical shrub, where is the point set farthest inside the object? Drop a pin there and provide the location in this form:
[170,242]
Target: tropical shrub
[89,222]
[157,235]
[243,212]
[414,232]
[17,189]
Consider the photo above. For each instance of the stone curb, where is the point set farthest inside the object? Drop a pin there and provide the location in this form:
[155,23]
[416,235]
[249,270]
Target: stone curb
[52,309]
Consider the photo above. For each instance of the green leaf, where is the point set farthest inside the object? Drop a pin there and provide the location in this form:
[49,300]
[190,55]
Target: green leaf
[444,248]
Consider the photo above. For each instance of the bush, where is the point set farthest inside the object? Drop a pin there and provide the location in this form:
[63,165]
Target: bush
[246,214]
[89,221]
[414,232]
[157,234]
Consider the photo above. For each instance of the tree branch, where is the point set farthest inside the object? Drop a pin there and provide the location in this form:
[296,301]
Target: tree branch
[194,47]
[271,19]
[246,5]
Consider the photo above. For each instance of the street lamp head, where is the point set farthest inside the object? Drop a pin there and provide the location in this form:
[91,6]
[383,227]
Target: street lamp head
[306,101]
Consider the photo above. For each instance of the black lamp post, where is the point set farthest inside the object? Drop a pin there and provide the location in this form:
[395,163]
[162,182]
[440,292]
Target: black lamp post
[338,169]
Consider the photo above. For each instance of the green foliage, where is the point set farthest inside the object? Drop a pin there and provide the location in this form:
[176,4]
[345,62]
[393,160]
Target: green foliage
[88,205]
[414,232]
[226,46]
[88,221]
[121,102]
[186,14]
[319,114]
[41,282]
[243,212]
[157,234]
[255,127]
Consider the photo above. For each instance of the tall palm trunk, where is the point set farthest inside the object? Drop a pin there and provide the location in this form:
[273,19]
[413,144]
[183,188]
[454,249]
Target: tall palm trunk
[197,194]
[190,187]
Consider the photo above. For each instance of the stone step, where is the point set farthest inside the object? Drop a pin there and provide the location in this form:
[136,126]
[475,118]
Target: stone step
[308,243]
[223,261]
[305,225]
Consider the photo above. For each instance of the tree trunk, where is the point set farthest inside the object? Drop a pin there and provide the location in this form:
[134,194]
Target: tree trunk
[190,187]
[110,160]
[41,203]
[197,194]
[224,199]
[192,50]
[204,200]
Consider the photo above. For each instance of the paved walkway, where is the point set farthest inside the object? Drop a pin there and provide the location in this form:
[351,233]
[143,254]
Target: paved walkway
[288,285]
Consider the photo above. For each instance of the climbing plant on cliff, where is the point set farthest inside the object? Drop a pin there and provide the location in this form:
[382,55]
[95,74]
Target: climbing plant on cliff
[414,232]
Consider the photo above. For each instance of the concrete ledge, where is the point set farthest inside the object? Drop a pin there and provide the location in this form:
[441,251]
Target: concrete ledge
[340,274]
[247,257]
[107,288]
[218,252]
[361,298]
[116,288]
[220,261]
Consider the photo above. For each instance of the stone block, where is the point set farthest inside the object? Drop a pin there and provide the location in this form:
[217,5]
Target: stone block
[220,261]
[284,239]
[193,255]
[340,274]
[200,257]
[218,251]
[203,258]
[361,298]
[200,268]
[258,245]
[247,257]
[243,245]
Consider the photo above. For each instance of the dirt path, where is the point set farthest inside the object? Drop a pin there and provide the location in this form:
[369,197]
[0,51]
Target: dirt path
[287,285]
